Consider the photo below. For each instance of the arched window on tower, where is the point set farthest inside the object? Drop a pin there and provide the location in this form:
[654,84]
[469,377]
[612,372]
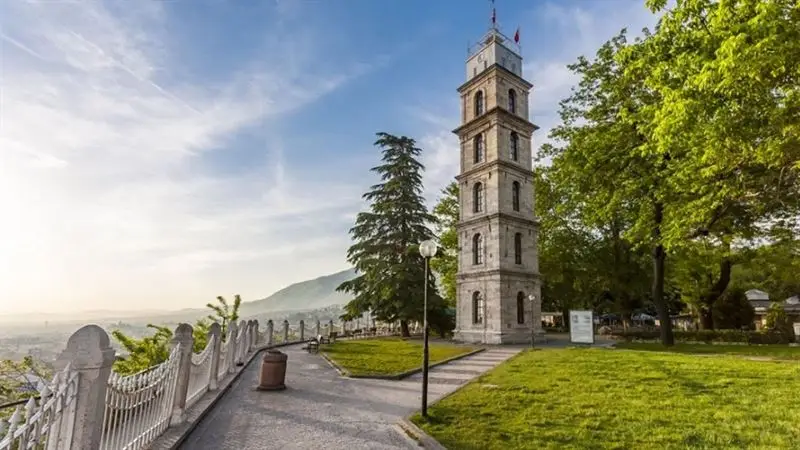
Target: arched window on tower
[477,249]
[477,197]
[512,101]
[477,307]
[515,195]
[520,307]
[478,147]
[514,146]
[478,103]
[518,248]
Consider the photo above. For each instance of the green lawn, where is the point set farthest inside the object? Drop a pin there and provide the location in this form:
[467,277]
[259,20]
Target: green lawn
[766,351]
[387,356]
[603,398]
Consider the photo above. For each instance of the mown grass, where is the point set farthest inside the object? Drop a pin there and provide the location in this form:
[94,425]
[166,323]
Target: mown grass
[762,351]
[611,399]
[387,356]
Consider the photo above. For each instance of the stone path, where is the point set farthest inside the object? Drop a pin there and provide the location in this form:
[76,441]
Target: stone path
[320,409]
[463,370]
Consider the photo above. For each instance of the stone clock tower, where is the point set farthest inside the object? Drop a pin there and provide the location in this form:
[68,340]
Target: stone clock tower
[498,267]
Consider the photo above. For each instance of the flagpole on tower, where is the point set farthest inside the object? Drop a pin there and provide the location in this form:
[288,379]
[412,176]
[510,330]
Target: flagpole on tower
[494,16]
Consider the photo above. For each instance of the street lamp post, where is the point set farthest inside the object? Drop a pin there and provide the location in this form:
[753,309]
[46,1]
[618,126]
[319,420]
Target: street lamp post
[532,298]
[428,250]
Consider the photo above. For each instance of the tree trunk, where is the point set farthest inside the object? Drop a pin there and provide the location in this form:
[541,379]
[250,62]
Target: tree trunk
[404,332]
[706,318]
[659,258]
[714,293]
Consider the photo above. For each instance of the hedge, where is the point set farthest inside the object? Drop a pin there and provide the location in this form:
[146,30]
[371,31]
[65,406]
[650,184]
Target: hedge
[709,336]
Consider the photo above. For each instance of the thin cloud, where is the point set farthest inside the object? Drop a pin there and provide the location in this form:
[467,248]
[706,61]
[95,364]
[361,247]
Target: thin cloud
[105,201]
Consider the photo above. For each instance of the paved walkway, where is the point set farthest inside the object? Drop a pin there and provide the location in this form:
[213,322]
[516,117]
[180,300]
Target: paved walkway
[320,409]
[463,370]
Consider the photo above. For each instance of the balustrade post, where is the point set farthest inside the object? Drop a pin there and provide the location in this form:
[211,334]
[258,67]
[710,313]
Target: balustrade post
[254,339]
[242,348]
[318,328]
[256,334]
[183,338]
[89,353]
[215,332]
[270,332]
[285,331]
[302,330]
[233,330]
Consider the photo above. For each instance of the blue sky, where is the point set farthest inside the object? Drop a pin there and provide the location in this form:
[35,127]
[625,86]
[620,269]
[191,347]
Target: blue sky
[156,154]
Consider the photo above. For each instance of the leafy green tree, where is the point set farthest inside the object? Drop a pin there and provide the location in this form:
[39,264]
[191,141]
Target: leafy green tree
[773,268]
[14,383]
[385,252]
[224,313]
[725,120]
[154,349]
[446,261]
[778,321]
[142,353]
[733,310]
[599,158]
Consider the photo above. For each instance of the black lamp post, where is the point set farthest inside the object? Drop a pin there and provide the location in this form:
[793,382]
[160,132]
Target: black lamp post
[428,250]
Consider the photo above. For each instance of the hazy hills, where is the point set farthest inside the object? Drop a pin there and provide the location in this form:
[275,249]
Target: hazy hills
[306,295]
[310,294]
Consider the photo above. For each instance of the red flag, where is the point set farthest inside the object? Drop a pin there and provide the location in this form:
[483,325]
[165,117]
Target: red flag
[516,36]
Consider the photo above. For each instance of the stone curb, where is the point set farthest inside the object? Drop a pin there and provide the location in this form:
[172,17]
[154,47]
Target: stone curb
[177,441]
[416,433]
[395,376]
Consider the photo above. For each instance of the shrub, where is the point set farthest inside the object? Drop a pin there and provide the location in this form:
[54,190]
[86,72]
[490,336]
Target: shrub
[710,336]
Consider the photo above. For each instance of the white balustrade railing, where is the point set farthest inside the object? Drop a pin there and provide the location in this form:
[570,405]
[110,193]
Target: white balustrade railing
[87,406]
[46,424]
[224,350]
[200,373]
[138,406]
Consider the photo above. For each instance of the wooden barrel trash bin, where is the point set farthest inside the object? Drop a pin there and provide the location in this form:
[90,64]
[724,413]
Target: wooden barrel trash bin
[273,371]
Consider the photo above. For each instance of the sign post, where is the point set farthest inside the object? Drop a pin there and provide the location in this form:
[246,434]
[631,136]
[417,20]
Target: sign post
[581,327]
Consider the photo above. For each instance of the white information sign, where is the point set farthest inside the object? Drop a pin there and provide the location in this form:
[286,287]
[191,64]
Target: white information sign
[581,327]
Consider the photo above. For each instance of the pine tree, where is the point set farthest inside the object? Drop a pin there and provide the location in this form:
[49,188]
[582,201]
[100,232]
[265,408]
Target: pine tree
[385,252]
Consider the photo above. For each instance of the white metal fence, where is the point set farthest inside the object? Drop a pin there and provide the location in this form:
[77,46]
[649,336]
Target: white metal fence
[200,373]
[138,406]
[46,424]
[87,406]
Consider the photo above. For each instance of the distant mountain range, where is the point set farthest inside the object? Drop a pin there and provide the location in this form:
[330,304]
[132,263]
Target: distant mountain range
[306,295]
[310,294]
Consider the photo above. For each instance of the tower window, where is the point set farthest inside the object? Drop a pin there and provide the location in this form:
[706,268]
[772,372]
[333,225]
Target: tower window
[512,101]
[477,197]
[478,103]
[477,307]
[477,143]
[520,307]
[518,248]
[514,146]
[515,195]
[477,249]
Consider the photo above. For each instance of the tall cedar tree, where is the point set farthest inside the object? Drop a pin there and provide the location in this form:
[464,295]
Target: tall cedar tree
[446,262]
[385,252]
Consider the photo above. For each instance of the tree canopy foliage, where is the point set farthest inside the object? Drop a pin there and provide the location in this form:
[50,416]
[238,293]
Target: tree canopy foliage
[446,261]
[385,252]
[686,141]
